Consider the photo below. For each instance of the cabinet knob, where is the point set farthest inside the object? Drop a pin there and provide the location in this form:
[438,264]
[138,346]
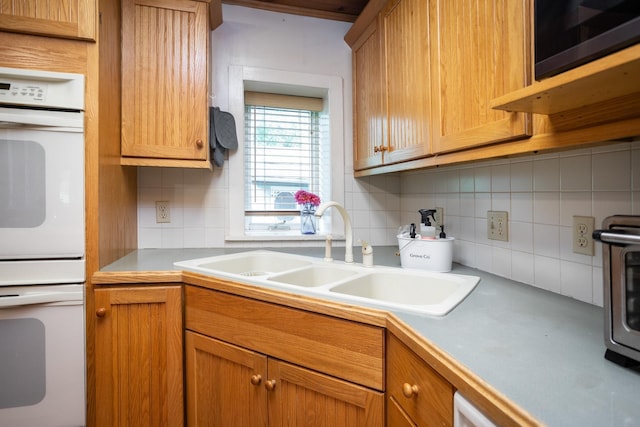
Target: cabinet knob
[409,390]
[256,379]
[101,312]
[199,143]
[270,385]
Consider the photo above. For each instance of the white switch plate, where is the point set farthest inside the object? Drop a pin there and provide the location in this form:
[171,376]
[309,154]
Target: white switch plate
[582,234]
[497,226]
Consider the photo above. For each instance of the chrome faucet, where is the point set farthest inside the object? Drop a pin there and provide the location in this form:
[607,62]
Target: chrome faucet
[348,232]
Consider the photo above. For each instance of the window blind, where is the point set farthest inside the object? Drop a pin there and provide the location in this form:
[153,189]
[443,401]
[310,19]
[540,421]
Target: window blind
[282,152]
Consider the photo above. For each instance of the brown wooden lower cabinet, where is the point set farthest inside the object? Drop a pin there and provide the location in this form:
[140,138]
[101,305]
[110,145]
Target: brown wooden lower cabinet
[416,394]
[255,363]
[138,360]
[229,385]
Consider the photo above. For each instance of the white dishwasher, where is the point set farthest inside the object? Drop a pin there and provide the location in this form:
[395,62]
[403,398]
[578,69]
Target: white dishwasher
[467,415]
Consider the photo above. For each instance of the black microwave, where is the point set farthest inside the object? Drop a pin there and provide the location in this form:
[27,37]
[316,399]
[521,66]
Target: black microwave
[569,33]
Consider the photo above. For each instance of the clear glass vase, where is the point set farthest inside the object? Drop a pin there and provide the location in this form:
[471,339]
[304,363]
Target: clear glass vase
[308,219]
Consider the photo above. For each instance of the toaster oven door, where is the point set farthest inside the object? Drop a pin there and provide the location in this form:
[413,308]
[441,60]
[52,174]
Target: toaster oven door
[625,295]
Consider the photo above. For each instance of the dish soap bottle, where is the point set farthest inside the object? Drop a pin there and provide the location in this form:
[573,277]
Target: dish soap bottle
[427,231]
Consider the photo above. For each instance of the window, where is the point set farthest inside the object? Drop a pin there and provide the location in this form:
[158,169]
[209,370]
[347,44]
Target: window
[283,153]
[305,112]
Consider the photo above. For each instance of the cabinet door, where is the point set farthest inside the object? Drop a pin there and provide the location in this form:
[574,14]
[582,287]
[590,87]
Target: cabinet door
[164,80]
[225,384]
[480,52]
[138,358]
[369,112]
[414,386]
[408,83]
[74,19]
[300,397]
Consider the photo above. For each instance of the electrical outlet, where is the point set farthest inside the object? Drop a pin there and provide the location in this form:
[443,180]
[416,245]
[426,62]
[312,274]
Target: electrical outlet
[582,230]
[439,218]
[163,214]
[497,226]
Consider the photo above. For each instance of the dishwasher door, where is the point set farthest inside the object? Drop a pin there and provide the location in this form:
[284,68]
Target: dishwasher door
[467,415]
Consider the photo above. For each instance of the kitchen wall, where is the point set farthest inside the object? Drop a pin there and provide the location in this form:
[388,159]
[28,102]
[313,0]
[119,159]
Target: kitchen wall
[541,193]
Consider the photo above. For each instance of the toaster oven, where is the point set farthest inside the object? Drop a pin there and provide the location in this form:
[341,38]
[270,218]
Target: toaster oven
[620,235]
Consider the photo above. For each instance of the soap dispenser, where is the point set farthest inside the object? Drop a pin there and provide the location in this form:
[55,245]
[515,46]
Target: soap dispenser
[427,231]
[367,254]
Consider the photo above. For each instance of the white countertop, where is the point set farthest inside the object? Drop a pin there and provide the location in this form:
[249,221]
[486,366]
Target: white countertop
[544,351]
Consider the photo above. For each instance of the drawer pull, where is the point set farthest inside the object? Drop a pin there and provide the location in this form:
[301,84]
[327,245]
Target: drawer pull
[101,312]
[270,385]
[199,143]
[409,390]
[256,379]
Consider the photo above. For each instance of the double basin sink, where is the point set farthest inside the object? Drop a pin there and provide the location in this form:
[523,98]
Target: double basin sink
[395,289]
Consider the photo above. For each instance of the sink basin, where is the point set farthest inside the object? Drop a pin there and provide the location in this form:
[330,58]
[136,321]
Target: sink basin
[314,275]
[420,292]
[256,263]
[396,289]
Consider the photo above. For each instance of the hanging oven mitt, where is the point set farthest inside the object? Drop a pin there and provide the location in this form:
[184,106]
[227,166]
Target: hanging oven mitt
[216,151]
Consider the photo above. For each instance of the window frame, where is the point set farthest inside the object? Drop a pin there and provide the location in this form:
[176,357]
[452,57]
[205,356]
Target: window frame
[330,88]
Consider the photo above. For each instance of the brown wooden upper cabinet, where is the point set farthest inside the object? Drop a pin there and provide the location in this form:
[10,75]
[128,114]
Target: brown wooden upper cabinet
[73,19]
[391,84]
[424,73]
[479,51]
[165,55]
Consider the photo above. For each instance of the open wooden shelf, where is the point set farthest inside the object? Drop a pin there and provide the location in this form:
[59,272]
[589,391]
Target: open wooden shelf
[602,80]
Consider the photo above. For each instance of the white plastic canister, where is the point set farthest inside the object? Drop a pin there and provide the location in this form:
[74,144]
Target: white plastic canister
[426,254]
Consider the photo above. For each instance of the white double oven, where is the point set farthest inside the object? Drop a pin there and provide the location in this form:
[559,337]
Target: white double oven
[42,249]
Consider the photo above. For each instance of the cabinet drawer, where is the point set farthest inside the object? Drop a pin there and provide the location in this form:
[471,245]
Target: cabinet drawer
[341,348]
[429,397]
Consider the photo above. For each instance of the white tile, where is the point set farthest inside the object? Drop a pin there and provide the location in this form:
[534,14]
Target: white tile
[598,287]
[575,173]
[521,236]
[607,203]
[464,253]
[547,273]
[467,205]
[635,169]
[467,229]
[500,178]
[522,207]
[546,207]
[149,238]
[522,176]
[483,257]
[546,240]
[481,232]
[501,202]
[467,181]
[482,180]
[172,238]
[574,203]
[501,262]
[482,204]
[612,171]
[546,175]
[576,281]
[194,237]
[522,267]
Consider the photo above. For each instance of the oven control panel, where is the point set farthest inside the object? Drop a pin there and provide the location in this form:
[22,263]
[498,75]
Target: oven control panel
[41,89]
[16,92]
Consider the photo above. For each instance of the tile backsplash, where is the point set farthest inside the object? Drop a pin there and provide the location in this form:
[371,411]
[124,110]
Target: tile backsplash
[541,194]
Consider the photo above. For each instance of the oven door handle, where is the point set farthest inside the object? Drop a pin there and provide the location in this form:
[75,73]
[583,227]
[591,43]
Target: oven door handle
[38,298]
[616,238]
